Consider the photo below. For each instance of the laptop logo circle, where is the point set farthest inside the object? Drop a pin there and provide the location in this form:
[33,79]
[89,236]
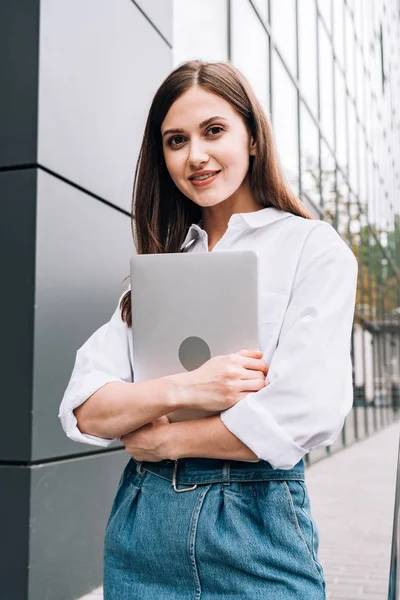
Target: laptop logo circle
[193,352]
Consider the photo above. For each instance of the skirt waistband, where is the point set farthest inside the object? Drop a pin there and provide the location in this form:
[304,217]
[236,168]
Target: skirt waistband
[190,471]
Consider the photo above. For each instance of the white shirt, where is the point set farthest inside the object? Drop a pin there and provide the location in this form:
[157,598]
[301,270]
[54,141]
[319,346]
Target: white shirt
[308,280]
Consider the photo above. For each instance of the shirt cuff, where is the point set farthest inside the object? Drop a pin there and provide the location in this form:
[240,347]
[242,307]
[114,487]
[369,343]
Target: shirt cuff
[243,420]
[93,382]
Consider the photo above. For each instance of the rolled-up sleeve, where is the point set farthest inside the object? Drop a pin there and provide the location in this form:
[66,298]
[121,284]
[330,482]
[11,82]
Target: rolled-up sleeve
[309,390]
[103,358]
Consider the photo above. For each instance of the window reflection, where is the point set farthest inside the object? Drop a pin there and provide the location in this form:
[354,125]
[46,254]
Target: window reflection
[328,184]
[338,34]
[353,167]
[349,40]
[309,156]
[368,111]
[355,183]
[359,17]
[283,25]
[342,207]
[308,53]
[340,107]
[325,7]
[262,9]
[370,182]
[362,148]
[360,84]
[208,38]
[250,49]
[326,84]
[284,120]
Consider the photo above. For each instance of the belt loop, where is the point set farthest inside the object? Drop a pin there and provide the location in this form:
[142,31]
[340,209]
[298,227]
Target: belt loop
[226,472]
[138,467]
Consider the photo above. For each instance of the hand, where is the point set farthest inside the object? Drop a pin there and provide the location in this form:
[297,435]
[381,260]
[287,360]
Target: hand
[222,381]
[148,442]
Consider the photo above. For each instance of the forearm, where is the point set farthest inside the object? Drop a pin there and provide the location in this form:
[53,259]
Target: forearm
[118,408]
[206,438]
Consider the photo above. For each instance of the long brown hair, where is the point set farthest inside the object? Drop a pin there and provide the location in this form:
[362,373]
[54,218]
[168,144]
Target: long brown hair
[161,214]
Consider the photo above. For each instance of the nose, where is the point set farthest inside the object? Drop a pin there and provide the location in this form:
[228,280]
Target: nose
[197,154]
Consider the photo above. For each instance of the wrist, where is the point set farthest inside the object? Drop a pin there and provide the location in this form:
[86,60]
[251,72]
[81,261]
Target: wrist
[172,446]
[180,391]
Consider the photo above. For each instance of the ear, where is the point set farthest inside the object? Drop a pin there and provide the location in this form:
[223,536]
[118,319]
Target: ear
[252,147]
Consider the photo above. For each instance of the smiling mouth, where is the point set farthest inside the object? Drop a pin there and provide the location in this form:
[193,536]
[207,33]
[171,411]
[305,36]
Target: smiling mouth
[203,177]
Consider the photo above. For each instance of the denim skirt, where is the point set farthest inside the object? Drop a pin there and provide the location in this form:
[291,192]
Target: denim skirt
[208,529]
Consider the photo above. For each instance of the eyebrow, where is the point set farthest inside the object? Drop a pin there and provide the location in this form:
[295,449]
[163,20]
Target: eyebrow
[201,125]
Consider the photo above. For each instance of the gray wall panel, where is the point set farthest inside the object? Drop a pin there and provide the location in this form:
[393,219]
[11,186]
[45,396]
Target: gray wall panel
[100,64]
[83,253]
[70,505]
[19,42]
[77,111]
[17,251]
[14,527]
[160,13]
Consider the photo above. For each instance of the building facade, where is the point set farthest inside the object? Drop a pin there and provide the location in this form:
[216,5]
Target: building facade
[327,74]
[77,81]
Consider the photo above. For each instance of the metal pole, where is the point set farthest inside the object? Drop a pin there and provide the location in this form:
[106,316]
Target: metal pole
[394,579]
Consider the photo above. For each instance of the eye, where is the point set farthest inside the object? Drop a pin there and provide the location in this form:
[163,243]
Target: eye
[169,142]
[177,137]
[216,127]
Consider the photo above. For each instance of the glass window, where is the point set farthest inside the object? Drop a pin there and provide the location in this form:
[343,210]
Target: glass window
[374,132]
[362,150]
[370,184]
[359,17]
[262,9]
[349,34]
[325,7]
[200,30]
[354,220]
[375,202]
[284,120]
[328,183]
[368,109]
[360,84]
[326,84]
[343,207]
[308,53]
[250,49]
[373,66]
[283,25]
[341,131]
[338,31]
[309,156]
[364,36]
[353,167]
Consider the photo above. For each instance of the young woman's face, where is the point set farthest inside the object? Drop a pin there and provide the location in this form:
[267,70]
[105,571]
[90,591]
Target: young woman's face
[222,144]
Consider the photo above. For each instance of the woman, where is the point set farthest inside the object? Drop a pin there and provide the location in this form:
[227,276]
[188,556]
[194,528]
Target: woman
[208,178]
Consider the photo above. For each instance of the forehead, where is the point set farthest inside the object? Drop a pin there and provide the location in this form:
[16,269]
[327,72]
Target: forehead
[196,105]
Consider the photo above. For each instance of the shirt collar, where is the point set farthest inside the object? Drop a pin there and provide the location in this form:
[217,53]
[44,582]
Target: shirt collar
[252,220]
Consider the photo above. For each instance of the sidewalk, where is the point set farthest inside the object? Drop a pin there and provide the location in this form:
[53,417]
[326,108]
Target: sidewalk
[352,501]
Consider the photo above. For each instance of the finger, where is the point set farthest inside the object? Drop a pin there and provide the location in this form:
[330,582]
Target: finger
[162,419]
[251,374]
[255,353]
[252,385]
[255,364]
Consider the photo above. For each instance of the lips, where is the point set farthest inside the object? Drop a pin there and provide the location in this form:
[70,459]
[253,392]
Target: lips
[206,182]
[203,173]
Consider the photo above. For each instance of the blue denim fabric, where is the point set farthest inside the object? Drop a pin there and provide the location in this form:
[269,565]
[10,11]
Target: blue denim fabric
[244,532]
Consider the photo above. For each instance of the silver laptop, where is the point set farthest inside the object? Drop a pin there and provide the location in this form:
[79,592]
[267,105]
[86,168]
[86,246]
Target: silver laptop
[190,307]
